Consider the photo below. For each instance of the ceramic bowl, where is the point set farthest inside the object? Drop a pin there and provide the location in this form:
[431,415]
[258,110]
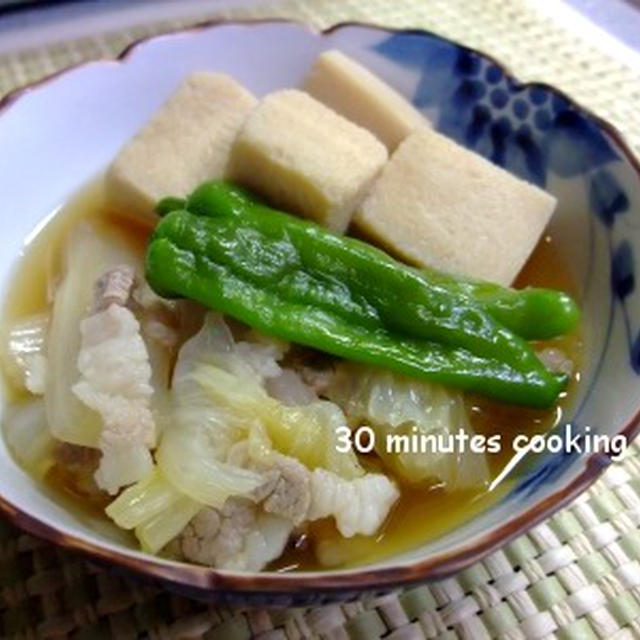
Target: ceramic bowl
[58,134]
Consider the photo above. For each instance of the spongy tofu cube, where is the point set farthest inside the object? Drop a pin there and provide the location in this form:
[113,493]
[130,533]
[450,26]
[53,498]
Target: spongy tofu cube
[353,91]
[305,158]
[186,142]
[438,204]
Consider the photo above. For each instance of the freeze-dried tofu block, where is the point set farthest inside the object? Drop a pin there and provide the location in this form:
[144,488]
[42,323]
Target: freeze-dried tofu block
[185,143]
[353,91]
[305,158]
[438,204]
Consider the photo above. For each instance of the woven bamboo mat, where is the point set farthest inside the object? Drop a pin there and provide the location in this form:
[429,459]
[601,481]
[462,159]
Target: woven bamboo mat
[574,577]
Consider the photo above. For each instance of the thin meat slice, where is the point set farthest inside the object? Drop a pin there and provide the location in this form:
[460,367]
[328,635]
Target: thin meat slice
[358,506]
[114,287]
[239,536]
[115,382]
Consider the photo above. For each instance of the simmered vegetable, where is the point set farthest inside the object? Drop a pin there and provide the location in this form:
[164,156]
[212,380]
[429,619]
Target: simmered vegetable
[297,281]
[155,508]
[531,313]
[22,352]
[238,457]
[394,405]
[88,255]
[28,437]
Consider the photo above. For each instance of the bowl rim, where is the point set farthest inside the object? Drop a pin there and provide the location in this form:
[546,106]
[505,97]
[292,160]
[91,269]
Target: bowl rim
[360,579]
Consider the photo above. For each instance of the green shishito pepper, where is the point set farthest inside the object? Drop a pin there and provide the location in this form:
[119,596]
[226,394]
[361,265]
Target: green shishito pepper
[531,313]
[293,279]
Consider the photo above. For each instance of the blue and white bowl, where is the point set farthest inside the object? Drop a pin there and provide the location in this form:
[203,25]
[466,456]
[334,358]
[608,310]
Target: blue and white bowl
[58,134]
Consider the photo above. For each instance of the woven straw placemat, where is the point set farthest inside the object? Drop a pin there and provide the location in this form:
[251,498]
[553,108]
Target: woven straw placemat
[576,576]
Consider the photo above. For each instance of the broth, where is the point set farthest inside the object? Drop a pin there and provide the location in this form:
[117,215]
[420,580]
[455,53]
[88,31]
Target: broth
[421,514]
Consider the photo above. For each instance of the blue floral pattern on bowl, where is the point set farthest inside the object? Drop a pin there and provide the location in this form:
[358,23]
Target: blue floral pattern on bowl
[526,128]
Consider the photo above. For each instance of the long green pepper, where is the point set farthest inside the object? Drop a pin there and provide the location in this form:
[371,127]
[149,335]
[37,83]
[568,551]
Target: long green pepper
[295,280]
[531,313]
